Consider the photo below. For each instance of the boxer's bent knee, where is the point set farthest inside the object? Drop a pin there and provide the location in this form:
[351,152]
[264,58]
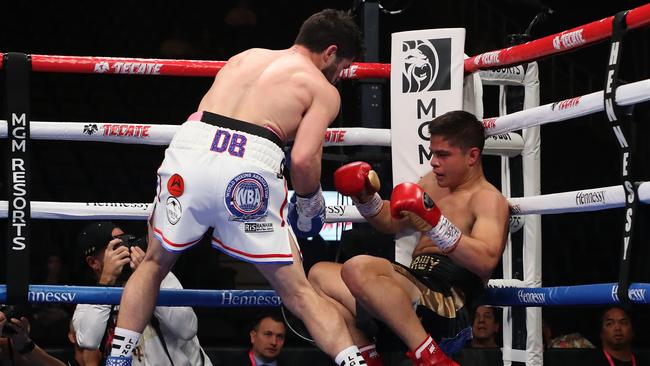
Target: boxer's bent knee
[357,271]
[323,273]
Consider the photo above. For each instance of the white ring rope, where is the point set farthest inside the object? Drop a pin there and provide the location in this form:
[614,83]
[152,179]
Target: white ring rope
[575,201]
[628,94]
[593,199]
[509,144]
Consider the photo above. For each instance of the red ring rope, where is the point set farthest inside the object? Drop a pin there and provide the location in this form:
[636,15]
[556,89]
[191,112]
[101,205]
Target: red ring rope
[554,44]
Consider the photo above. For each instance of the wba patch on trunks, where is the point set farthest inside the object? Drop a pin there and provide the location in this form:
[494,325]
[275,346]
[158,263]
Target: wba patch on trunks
[247,197]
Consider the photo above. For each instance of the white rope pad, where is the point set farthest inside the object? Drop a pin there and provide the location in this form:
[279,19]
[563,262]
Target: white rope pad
[575,201]
[507,144]
[627,94]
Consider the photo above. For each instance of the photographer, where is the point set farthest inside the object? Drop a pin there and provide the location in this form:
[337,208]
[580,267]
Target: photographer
[16,348]
[170,337]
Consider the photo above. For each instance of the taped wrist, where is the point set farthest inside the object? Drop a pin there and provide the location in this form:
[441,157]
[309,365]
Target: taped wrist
[312,204]
[445,234]
[370,208]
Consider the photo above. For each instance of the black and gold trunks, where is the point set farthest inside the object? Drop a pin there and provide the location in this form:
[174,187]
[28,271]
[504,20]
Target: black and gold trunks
[448,293]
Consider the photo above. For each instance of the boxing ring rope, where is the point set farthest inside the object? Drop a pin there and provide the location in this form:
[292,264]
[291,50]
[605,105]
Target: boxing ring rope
[598,294]
[576,201]
[594,199]
[507,144]
[166,67]
[554,44]
[628,94]
[570,108]
[550,45]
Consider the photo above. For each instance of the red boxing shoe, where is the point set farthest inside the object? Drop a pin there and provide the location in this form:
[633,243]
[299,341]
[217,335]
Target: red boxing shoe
[429,354]
[370,355]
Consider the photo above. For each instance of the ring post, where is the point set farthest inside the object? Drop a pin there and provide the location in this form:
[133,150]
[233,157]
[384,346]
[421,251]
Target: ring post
[372,89]
[17,68]
[619,117]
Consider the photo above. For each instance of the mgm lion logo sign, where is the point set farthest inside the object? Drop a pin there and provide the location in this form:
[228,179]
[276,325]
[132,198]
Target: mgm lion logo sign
[426,65]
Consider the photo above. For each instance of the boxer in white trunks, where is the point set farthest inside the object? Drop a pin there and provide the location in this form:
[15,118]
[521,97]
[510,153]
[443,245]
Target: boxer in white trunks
[223,169]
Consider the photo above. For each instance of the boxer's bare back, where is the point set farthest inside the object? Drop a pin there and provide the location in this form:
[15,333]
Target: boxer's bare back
[275,88]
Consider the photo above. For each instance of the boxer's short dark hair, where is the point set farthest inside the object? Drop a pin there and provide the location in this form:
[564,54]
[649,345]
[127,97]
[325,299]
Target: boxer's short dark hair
[332,27]
[460,129]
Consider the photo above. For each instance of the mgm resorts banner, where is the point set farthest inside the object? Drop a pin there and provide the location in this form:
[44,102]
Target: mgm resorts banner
[426,81]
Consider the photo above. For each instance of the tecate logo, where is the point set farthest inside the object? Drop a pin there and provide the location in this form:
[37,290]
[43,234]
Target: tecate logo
[565,104]
[335,136]
[141,68]
[489,123]
[569,40]
[123,130]
[489,58]
[350,72]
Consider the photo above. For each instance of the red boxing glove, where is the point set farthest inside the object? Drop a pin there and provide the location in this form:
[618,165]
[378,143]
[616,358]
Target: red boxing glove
[409,199]
[356,180]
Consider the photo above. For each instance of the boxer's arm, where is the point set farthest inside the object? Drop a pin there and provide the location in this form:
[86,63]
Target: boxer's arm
[481,250]
[307,150]
[386,223]
[179,321]
[38,357]
[91,357]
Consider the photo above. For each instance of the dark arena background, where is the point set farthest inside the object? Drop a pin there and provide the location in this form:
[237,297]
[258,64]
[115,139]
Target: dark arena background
[578,248]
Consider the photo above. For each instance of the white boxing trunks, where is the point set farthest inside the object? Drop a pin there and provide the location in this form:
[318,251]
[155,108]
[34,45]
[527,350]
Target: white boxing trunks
[227,174]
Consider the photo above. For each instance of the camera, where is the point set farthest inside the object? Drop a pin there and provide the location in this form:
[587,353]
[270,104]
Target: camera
[11,311]
[130,241]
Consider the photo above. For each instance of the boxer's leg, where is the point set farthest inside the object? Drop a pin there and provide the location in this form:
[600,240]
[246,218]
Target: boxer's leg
[140,295]
[323,321]
[386,294]
[326,279]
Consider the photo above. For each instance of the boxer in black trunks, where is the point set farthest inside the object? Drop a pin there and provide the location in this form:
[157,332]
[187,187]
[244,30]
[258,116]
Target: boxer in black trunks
[462,238]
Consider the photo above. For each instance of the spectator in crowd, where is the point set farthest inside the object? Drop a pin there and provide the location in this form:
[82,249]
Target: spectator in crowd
[616,335]
[241,25]
[177,45]
[485,335]
[56,274]
[50,320]
[241,15]
[16,347]
[170,337]
[569,340]
[485,327]
[80,356]
[267,339]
